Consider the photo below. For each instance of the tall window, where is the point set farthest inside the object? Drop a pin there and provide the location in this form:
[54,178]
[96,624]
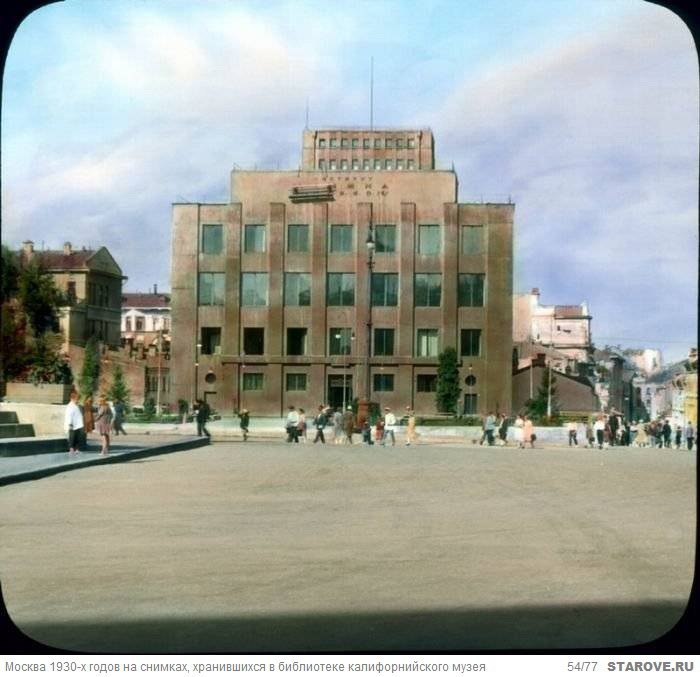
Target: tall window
[297,289]
[341,289]
[426,383]
[252,381]
[139,324]
[296,382]
[411,143]
[344,143]
[428,289]
[365,165]
[339,341]
[399,143]
[341,238]
[334,143]
[211,340]
[385,238]
[296,341]
[254,340]
[355,143]
[377,165]
[377,143]
[429,240]
[385,289]
[321,143]
[410,165]
[472,239]
[254,289]
[470,342]
[211,289]
[471,289]
[389,143]
[212,238]
[427,342]
[344,164]
[470,404]
[322,165]
[297,237]
[127,326]
[365,143]
[254,238]
[384,342]
[383,383]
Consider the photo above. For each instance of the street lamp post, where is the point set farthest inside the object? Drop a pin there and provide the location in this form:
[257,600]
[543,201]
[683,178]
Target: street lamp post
[346,347]
[196,370]
[370,268]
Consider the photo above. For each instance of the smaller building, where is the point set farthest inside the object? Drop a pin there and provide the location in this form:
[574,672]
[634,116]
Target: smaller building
[145,319]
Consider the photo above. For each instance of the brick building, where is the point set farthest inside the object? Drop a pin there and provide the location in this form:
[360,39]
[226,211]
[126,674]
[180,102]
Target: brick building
[345,278]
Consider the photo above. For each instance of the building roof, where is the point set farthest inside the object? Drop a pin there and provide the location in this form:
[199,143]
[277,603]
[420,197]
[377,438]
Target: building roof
[569,312]
[147,300]
[55,259]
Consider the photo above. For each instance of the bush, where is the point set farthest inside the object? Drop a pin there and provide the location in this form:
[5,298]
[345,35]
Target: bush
[149,408]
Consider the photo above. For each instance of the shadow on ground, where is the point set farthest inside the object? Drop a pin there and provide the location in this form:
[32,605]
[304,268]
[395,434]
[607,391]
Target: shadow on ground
[538,628]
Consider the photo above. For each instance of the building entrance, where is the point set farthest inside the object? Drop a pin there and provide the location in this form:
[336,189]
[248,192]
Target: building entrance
[337,385]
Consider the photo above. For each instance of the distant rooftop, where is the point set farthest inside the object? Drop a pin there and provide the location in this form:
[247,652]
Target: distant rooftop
[145,300]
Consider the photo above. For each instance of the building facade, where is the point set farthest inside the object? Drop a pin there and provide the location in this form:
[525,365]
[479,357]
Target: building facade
[278,300]
[146,319]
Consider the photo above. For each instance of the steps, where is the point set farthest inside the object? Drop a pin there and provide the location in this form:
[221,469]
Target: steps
[18,439]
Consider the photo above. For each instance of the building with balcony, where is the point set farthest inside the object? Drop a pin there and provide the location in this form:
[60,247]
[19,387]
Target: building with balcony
[343,279]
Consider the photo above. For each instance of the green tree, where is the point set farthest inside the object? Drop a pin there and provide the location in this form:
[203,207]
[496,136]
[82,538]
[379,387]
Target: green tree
[149,408]
[537,406]
[448,388]
[118,391]
[10,273]
[41,299]
[90,373]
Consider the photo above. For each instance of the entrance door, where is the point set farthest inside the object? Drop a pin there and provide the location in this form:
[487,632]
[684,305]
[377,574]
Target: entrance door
[336,386]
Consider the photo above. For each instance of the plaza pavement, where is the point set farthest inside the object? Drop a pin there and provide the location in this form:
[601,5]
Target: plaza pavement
[264,547]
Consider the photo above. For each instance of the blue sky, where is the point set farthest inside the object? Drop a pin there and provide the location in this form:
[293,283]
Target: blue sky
[584,113]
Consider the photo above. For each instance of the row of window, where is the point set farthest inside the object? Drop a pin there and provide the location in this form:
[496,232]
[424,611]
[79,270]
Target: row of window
[340,341]
[341,238]
[367,165]
[140,324]
[377,142]
[340,289]
[425,383]
[97,294]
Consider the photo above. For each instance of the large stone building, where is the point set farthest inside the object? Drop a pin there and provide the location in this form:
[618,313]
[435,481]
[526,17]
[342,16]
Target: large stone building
[272,301]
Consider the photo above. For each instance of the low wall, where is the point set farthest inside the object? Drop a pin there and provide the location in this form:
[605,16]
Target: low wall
[47,419]
[42,393]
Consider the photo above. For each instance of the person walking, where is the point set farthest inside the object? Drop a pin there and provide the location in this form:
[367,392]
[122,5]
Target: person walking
[389,427]
[518,433]
[599,430]
[367,432]
[88,416]
[379,430]
[73,424]
[244,422]
[666,431]
[103,420]
[292,425]
[503,430]
[337,426]
[590,436]
[572,427]
[301,426]
[348,425]
[320,423]
[202,412]
[679,437]
[529,432]
[641,439]
[410,426]
[118,420]
[612,428]
[489,427]
[689,435]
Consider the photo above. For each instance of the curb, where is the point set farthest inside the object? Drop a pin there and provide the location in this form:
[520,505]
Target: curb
[122,457]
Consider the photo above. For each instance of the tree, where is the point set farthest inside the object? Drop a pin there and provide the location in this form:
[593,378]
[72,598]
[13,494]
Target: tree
[41,299]
[10,273]
[118,391]
[546,392]
[90,373]
[448,388]
[149,408]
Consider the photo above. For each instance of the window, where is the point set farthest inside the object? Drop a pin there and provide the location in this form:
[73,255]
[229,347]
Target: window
[366,165]
[399,143]
[470,404]
[471,289]
[297,289]
[254,289]
[470,342]
[297,237]
[428,289]
[426,383]
[322,165]
[211,289]
[296,382]
[427,343]
[139,324]
[385,238]
[340,341]
[429,240]
[344,164]
[355,164]
[344,143]
[212,238]
[411,143]
[472,239]
[334,143]
[385,289]
[211,340]
[332,165]
[296,341]
[399,165]
[341,289]
[389,143]
[127,324]
[365,143]
[383,383]
[253,340]
[321,143]
[355,143]
[71,293]
[254,238]
[377,143]
[341,239]
[377,165]
[252,381]
[389,164]
[384,342]
[410,164]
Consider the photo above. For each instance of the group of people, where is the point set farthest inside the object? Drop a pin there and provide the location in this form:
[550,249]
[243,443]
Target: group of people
[613,429]
[80,420]
[343,425]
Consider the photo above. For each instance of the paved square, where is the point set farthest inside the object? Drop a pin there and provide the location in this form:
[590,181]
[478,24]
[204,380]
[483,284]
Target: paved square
[275,547]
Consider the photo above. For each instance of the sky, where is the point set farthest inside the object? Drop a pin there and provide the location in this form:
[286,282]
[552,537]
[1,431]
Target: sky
[583,113]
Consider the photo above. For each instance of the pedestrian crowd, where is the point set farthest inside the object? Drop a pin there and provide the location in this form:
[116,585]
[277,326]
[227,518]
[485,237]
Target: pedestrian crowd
[82,419]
